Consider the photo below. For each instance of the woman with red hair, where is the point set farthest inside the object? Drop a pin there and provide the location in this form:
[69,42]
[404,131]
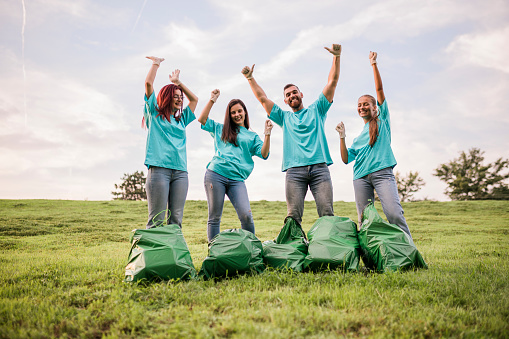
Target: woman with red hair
[165,155]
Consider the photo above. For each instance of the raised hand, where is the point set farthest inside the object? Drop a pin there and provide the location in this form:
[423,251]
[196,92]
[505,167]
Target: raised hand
[341,130]
[214,95]
[174,77]
[248,72]
[268,127]
[155,60]
[372,57]
[335,50]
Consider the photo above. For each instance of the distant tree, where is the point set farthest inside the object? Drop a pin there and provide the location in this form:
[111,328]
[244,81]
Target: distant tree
[468,178]
[408,185]
[131,188]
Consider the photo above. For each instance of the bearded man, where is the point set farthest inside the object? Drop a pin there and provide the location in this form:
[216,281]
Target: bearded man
[306,154]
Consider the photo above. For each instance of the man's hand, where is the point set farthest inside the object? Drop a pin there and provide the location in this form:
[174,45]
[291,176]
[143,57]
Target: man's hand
[214,95]
[268,127]
[155,60]
[174,77]
[341,130]
[372,57]
[335,50]
[248,72]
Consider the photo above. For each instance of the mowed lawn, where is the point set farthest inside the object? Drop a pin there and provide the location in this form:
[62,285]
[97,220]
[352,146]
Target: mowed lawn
[62,270]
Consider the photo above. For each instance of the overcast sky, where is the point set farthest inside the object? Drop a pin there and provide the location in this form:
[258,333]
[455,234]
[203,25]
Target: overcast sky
[72,83]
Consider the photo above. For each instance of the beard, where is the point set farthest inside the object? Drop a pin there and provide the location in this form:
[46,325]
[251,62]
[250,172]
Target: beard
[295,103]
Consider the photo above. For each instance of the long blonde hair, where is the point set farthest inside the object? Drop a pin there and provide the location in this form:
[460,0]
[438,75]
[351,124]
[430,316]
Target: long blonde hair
[373,121]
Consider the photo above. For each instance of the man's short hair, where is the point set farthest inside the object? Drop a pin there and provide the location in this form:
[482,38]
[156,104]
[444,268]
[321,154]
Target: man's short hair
[290,85]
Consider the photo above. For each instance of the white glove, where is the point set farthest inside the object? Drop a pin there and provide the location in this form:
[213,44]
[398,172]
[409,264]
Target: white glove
[248,72]
[372,57]
[336,49]
[155,60]
[174,77]
[268,127]
[214,95]
[341,130]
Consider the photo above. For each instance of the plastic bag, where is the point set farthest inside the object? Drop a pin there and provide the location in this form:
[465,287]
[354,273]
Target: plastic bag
[289,249]
[232,252]
[333,244]
[386,247]
[292,234]
[282,256]
[159,253]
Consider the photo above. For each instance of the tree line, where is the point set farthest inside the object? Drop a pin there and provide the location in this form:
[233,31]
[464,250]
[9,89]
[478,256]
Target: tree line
[467,178]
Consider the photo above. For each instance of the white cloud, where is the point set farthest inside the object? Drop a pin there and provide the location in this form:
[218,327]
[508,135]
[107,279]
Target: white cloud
[68,124]
[82,11]
[487,49]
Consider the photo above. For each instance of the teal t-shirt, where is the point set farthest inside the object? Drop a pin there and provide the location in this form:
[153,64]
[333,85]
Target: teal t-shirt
[371,159]
[233,162]
[304,141]
[166,142]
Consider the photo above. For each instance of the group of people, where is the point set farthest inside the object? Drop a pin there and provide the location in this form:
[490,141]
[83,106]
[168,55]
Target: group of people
[306,154]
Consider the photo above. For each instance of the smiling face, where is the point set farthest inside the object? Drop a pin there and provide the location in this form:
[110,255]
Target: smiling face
[238,115]
[366,107]
[177,100]
[293,98]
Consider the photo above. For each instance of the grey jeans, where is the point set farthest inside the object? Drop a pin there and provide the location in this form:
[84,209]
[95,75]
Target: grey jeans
[166,189]
[384,183]
[317,178]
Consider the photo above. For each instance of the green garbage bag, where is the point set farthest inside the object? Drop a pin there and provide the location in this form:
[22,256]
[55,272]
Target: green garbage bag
[333,244]
[282,256]
[292,234]
[232,252]
[159,253]
[289,249]
[386,247]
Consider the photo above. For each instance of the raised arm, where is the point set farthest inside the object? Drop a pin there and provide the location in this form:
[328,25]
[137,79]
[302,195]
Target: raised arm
[332,81]
[342,143]
[380,96]
[193,99]
[206,110]
[266,141]
[149,80]
[257,90]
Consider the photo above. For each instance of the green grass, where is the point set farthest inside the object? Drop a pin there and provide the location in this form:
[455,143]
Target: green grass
[62,266]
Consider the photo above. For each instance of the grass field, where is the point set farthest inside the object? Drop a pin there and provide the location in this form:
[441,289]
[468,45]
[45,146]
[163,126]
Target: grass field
[62,270]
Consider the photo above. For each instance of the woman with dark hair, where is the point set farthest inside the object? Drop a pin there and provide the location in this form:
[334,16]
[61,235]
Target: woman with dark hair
[165,155]
[373,155]
[235,145]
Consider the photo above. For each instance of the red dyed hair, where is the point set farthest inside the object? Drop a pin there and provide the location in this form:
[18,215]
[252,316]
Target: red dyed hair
[164,102]
[230,129]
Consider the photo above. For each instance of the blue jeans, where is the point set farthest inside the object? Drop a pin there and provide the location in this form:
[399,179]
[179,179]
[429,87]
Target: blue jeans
[166,189]
[384,183]
[317,178]
[216,186]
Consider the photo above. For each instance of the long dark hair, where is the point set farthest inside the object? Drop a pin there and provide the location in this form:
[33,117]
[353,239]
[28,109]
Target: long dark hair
[165,100]
[373,121]
[230,129]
